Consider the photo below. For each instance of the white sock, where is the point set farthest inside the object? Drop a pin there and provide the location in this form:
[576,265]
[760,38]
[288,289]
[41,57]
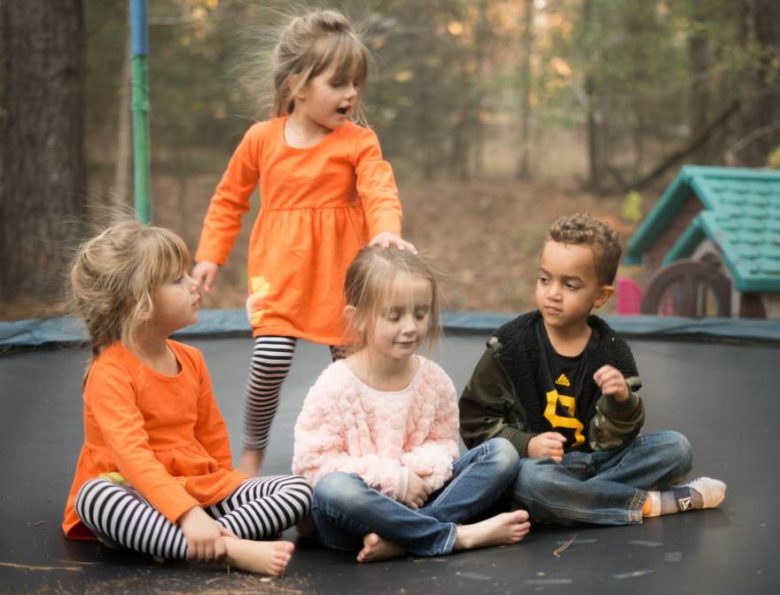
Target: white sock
[713,491]
[702,492]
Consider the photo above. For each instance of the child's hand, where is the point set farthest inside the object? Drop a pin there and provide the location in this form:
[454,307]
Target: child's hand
[387,239]
[612,383]
[204,536]
[417,492]
[547,444]
[204,273]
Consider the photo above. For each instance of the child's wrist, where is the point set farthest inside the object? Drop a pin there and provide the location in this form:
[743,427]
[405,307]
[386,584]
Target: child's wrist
[403,484]
[622,398]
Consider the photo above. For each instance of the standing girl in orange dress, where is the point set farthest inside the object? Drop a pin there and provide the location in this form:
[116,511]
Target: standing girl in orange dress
[154,474]
[325,191]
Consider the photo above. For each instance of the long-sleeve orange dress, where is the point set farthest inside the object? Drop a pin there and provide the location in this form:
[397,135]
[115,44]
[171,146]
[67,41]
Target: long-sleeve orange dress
[320,205]
[164,435]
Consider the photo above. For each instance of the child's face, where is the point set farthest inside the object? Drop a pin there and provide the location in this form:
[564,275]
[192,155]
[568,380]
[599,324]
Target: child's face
[403,320]
[567,286]
[327,100]
[175,304]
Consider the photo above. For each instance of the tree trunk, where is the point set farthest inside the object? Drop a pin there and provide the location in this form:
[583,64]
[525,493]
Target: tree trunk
[698,71]
[467,122]
[698,65]
[43,198]
[524,165]
[694,144]
[761,96]
[122,188]
[595,127]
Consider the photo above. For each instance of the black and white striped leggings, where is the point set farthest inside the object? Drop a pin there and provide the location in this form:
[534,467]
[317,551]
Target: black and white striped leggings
[260,508]
[271,361]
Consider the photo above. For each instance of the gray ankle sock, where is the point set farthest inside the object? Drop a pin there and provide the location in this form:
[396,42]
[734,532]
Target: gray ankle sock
[681,499]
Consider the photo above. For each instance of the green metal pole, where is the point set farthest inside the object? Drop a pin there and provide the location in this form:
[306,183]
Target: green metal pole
[140,111]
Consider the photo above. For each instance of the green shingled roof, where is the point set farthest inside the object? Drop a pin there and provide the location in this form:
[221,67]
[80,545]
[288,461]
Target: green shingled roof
[741,215]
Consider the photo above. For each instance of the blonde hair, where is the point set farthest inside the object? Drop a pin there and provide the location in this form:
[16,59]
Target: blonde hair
[370,282]
[307,47]
[114,276]
[584,229]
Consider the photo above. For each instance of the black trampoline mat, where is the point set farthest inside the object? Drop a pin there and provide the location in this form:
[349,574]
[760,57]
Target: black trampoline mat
[721,396]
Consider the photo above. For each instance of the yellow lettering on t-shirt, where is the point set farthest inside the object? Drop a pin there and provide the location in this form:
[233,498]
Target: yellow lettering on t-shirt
[561,421]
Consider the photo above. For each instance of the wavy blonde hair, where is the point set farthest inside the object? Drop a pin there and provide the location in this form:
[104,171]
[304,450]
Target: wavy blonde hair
[308,46]
[370,284]
[115,274]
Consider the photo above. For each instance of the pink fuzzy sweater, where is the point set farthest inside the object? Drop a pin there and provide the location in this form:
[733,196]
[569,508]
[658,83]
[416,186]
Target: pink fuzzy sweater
[346,425]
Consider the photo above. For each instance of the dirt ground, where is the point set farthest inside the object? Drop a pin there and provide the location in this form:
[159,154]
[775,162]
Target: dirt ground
[482,237]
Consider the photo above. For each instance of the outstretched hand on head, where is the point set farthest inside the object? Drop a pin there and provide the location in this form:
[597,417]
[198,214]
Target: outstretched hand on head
[387,239]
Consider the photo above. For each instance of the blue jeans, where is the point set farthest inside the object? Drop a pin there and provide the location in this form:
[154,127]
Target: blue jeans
[345,508]
[605,487]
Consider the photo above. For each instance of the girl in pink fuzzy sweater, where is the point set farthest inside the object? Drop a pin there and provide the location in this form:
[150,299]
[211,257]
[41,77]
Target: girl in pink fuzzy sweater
[378,433]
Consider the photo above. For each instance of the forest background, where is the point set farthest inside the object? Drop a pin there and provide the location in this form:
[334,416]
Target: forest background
[497,115]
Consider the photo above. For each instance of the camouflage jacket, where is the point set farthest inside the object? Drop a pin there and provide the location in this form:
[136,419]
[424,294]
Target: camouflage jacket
[504,396]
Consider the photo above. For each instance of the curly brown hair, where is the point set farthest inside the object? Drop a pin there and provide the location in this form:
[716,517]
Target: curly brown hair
[584,229]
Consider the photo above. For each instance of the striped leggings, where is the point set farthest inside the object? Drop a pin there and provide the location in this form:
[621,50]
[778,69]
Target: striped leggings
[271,361]
[260,508]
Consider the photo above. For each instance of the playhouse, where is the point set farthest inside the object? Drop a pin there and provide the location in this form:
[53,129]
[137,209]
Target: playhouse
[711,245]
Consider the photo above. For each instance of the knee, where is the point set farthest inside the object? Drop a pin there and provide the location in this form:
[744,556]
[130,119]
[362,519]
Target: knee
[532,476]
[296,483]
[503,455]
[90,485]
[95,491]
[339,490]
[298,488]
[83,493]
[672,450]
[679,450]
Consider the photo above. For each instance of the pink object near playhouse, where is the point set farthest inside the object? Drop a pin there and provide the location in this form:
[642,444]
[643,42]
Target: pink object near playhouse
[629,296]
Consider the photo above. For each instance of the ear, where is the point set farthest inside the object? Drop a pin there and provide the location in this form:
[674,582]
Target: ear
[144,308]
[605,292]
[297,87]
[349,316]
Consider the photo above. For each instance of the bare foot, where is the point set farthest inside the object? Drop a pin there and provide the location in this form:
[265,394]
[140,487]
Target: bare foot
[261,557]
[502,529]
[250,462]
[375,548]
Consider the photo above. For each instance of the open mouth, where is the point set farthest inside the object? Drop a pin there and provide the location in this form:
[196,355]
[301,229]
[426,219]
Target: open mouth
[343,111]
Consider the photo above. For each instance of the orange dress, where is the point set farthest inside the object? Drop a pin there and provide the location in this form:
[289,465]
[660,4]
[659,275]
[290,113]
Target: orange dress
[163,434]
[320,205]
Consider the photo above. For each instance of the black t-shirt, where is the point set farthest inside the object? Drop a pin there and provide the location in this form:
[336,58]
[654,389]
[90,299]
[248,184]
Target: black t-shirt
[560,406]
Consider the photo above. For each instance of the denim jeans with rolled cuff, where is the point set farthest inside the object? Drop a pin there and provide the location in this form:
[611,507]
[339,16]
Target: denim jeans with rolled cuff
[605,487]
[345,508]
